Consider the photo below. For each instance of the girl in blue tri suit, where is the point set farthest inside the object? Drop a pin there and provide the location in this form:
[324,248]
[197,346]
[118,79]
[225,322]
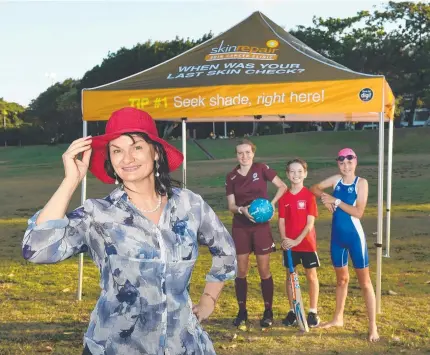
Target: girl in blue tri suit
[347,204]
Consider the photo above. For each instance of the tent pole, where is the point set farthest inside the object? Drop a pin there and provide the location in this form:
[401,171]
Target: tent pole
[184,152]
[225,129]
[83,198]
[389,189]
[378,243]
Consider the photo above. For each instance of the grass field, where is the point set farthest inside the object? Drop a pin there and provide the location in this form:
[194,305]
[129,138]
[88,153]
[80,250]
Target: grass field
[37,302]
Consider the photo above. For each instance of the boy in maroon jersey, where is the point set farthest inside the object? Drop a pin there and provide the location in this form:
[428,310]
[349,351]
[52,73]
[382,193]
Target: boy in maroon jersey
[245,183]
[297,211]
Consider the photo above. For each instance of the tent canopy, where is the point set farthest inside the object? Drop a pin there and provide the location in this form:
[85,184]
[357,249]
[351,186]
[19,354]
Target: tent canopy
[254,70]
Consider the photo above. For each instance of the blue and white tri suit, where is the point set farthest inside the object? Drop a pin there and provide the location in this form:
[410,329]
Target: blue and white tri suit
[347,234]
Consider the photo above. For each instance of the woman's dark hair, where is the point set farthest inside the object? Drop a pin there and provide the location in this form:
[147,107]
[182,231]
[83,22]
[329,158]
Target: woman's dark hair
[163,183]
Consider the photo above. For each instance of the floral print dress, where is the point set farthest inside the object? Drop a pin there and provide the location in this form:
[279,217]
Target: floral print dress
[144,306]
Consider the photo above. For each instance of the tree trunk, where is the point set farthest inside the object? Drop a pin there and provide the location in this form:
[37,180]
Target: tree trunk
[254,128]
[398,120]
[336,127]
[168,129]
[411,114]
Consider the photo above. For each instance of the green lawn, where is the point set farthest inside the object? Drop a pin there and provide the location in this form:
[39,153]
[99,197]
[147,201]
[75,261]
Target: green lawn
[39,312]
[325,144]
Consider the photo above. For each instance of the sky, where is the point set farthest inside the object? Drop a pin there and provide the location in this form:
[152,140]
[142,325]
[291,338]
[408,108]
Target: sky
[45,42]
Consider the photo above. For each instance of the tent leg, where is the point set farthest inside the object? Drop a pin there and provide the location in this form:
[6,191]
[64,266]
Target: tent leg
[184,152]
[83,198]
[389,189]
[378,243]
[225,129]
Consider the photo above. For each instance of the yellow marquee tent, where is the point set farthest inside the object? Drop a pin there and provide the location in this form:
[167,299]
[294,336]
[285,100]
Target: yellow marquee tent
[254,70]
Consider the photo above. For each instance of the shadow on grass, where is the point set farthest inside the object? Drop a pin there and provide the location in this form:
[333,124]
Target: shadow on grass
[222,328]
[42,337]
[66,338]
[42,331]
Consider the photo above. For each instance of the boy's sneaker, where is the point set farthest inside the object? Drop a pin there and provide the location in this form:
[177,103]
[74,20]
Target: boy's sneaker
[313,319]
[267,319]
[241,321]
[290,319]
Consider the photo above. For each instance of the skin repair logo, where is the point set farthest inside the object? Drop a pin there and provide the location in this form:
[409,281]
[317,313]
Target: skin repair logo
[225,51]
[273,43]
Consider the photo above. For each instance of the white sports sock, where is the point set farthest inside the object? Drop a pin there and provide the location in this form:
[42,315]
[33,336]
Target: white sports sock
[313,310]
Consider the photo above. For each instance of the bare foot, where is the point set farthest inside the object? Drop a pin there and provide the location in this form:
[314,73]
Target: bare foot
[333,323]
[373,335]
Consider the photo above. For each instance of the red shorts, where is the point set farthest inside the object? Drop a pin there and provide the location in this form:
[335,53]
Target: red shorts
[256,238]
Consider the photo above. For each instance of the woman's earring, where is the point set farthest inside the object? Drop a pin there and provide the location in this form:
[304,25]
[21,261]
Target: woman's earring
[157,166]
[116,179]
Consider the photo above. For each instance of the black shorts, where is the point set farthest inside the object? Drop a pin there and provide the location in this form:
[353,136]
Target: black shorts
[309,259]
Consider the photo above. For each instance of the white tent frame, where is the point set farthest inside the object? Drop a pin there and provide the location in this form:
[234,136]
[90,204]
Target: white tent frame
[380,221]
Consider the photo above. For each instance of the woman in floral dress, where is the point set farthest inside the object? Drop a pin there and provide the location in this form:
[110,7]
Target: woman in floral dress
[143,237]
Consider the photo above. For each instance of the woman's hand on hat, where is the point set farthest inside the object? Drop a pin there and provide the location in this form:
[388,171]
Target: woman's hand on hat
[74,168]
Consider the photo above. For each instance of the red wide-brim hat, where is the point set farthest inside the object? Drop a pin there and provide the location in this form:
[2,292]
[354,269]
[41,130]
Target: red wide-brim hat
[128,120]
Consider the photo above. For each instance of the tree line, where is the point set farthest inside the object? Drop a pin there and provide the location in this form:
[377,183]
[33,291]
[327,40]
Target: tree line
[392,40]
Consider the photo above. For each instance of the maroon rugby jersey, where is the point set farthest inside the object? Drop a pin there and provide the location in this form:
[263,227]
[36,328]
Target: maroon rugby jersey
[247,188]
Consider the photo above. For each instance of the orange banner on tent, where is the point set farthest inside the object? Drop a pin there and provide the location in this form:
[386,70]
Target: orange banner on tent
[322,97]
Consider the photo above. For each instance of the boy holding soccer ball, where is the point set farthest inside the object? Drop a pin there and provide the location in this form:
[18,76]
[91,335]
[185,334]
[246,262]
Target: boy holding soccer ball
[297,210]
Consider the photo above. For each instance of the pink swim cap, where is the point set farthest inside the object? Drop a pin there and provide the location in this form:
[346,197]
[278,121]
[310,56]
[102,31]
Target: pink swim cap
[346,151]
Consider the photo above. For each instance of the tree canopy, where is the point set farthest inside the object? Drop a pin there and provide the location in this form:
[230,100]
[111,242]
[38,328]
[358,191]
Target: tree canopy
[392,40]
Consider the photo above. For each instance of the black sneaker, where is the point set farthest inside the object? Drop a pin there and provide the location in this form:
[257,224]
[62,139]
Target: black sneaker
[313,319]
[241,320]
[267,319]
[290,319]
